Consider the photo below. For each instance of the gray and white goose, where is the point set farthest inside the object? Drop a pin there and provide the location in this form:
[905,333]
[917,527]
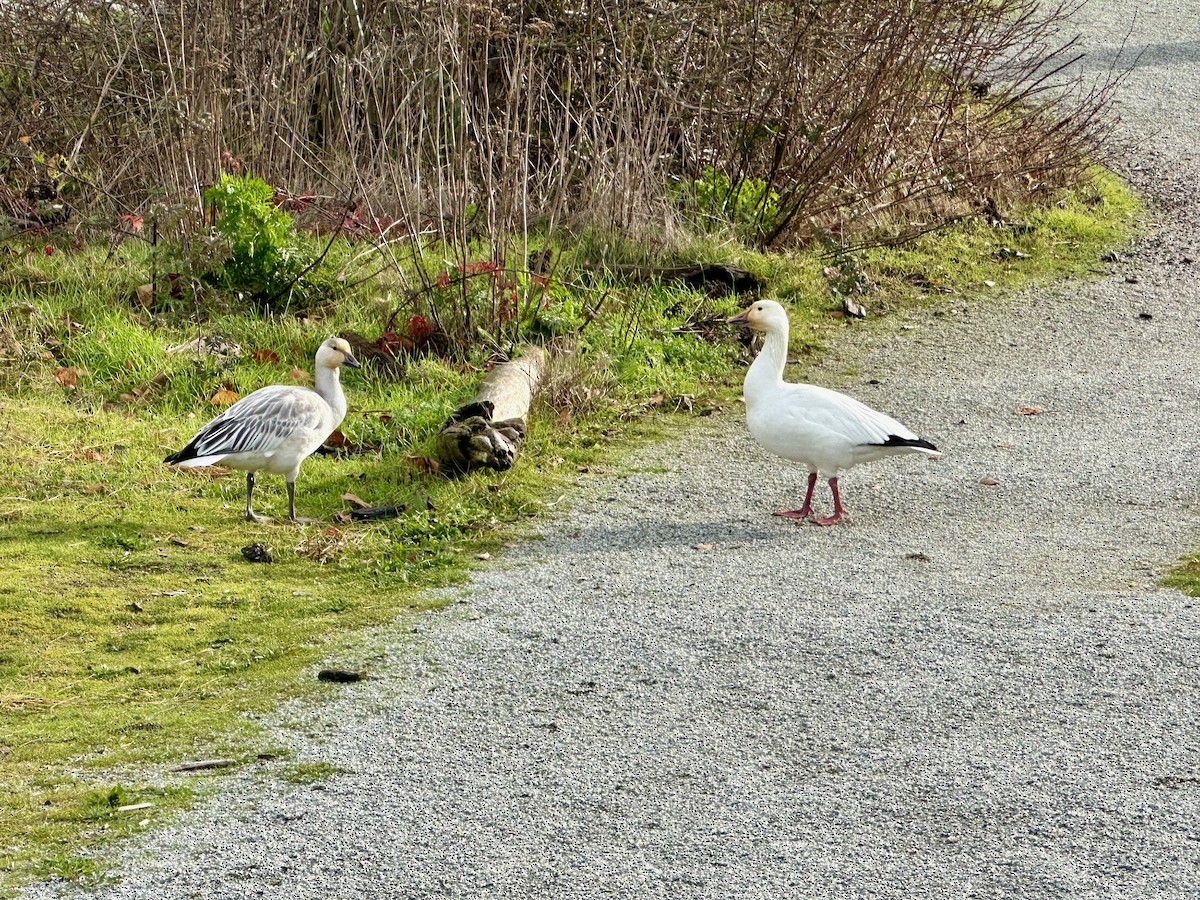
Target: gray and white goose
[826,430]
[275,428]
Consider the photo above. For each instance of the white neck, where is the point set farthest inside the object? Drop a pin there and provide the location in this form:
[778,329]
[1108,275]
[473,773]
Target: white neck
[329,387]
[767,369]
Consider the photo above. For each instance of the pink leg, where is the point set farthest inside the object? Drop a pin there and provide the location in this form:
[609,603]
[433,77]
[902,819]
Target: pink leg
[838,509]
[804,511]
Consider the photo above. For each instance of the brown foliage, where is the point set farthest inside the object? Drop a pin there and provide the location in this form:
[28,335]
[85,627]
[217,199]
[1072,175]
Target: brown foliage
[470,118]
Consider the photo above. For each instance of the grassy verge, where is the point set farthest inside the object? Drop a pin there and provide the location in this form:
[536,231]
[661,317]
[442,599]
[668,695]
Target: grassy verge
[1186,576]
[134,634]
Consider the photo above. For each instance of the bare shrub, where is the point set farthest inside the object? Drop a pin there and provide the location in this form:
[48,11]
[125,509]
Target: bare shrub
[475,123]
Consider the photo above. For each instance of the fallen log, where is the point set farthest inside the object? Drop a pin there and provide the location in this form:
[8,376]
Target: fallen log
[487,432]
[205,764]
[716,279]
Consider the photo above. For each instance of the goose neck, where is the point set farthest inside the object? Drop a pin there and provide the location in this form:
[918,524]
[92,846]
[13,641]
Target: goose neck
[329,387]
[768,366]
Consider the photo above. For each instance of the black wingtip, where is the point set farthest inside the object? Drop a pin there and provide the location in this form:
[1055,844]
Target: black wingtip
[188,452]
[897,441]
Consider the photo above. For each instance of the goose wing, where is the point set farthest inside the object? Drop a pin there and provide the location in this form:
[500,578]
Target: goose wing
[825,429]
[857,423]
[265,421]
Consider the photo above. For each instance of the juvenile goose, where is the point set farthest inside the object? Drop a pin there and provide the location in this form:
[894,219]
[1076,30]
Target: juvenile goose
[275,428]
[824,429]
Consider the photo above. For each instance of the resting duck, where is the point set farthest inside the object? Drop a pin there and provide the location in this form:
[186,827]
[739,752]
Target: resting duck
[824,429]
[275,428]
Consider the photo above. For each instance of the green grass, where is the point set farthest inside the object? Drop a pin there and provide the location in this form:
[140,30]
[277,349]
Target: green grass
[1186,576]
[134,634]
[309,772]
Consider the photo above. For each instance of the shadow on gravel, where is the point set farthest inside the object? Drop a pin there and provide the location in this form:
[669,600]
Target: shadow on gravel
[1127,58]
[712,536]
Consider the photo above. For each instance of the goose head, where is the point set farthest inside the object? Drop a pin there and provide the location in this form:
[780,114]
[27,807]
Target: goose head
[762,315]
[334,353]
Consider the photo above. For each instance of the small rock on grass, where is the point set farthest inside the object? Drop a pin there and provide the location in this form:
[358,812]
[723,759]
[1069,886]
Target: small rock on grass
[257,553]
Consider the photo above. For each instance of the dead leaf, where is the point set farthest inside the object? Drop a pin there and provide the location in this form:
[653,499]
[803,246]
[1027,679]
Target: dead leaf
[224,397]
[339,442]
[988,480]
[144,294]
[426,464]
[357,501]
[1029,410]
[483,556]
[68,377]
[702,546]
[70,324]
[264,355]
[90,489]
[298,375]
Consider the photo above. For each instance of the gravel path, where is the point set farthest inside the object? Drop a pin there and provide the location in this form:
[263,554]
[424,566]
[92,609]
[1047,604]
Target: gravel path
[968,691]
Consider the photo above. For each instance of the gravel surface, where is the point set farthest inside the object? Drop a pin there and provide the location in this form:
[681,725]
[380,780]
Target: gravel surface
[969,690]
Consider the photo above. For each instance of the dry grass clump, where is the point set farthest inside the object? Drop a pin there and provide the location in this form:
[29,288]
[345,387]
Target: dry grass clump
[327,545]
[573,386]
[474,120]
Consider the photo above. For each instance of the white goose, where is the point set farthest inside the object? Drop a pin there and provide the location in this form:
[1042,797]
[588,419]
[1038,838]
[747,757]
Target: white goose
[826,430]
[275,428]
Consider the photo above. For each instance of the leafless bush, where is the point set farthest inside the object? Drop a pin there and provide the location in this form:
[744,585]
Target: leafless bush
[481,122]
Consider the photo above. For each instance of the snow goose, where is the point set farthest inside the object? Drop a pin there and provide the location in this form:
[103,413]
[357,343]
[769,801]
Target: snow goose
[275,428]
[826,430]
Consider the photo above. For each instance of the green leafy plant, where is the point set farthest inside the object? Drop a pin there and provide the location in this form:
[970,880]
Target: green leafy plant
[266,256]
[748,206]
[846,277]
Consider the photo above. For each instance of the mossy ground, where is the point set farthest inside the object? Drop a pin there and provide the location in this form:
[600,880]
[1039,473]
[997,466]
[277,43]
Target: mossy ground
[134,634]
